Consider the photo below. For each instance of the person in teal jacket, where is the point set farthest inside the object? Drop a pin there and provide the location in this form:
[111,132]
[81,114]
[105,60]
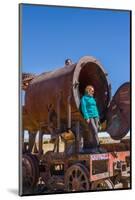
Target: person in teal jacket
[90,113]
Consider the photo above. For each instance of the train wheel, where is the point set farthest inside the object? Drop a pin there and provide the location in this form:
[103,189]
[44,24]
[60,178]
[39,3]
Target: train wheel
[102,185]
[30,171]
[77,178]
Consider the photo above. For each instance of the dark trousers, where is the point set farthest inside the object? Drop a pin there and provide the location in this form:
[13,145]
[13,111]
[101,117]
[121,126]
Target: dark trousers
[93,125]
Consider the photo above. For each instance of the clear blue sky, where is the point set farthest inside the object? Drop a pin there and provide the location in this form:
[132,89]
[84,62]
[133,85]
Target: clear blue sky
[52,34]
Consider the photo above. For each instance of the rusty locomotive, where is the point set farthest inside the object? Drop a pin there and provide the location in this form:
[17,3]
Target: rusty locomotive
[52,101]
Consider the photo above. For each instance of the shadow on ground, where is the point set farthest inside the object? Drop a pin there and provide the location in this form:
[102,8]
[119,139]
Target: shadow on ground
[13,191]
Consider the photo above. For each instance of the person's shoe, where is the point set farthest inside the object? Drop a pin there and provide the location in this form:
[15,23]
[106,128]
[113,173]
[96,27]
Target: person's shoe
[93,150]
[101,150]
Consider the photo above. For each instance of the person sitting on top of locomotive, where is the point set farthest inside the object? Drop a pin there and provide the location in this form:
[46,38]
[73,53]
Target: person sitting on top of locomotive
[90,113]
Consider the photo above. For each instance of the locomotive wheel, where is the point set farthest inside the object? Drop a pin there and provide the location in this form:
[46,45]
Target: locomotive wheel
[102,185]
[76,178]
[30,170]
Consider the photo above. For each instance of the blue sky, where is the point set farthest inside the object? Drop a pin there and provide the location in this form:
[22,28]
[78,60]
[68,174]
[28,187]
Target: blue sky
[52,34]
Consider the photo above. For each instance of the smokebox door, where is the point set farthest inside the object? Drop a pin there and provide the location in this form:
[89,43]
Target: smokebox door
[118,114]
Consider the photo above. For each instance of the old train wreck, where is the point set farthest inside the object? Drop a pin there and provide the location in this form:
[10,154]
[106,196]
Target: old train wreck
[52,101]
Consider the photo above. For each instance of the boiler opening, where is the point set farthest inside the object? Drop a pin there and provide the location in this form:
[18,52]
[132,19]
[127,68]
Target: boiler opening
[92,74]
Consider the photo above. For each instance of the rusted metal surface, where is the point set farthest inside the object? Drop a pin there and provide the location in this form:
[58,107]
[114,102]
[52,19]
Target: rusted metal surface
[105,165]
[26,78]
[27,122]
[99,166]
[53,99]
[123,145]
[118,114]
[77,178]
[82,172]
[52,107]
[44,91]
[30,169]
[105,184]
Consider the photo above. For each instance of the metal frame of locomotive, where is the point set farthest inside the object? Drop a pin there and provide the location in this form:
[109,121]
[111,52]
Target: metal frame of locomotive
[52,102]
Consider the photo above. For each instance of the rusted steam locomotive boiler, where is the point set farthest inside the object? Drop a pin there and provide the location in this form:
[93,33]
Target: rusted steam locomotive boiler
[52,102]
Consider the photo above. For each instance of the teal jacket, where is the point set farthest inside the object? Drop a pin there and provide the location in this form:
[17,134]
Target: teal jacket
[88,107]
